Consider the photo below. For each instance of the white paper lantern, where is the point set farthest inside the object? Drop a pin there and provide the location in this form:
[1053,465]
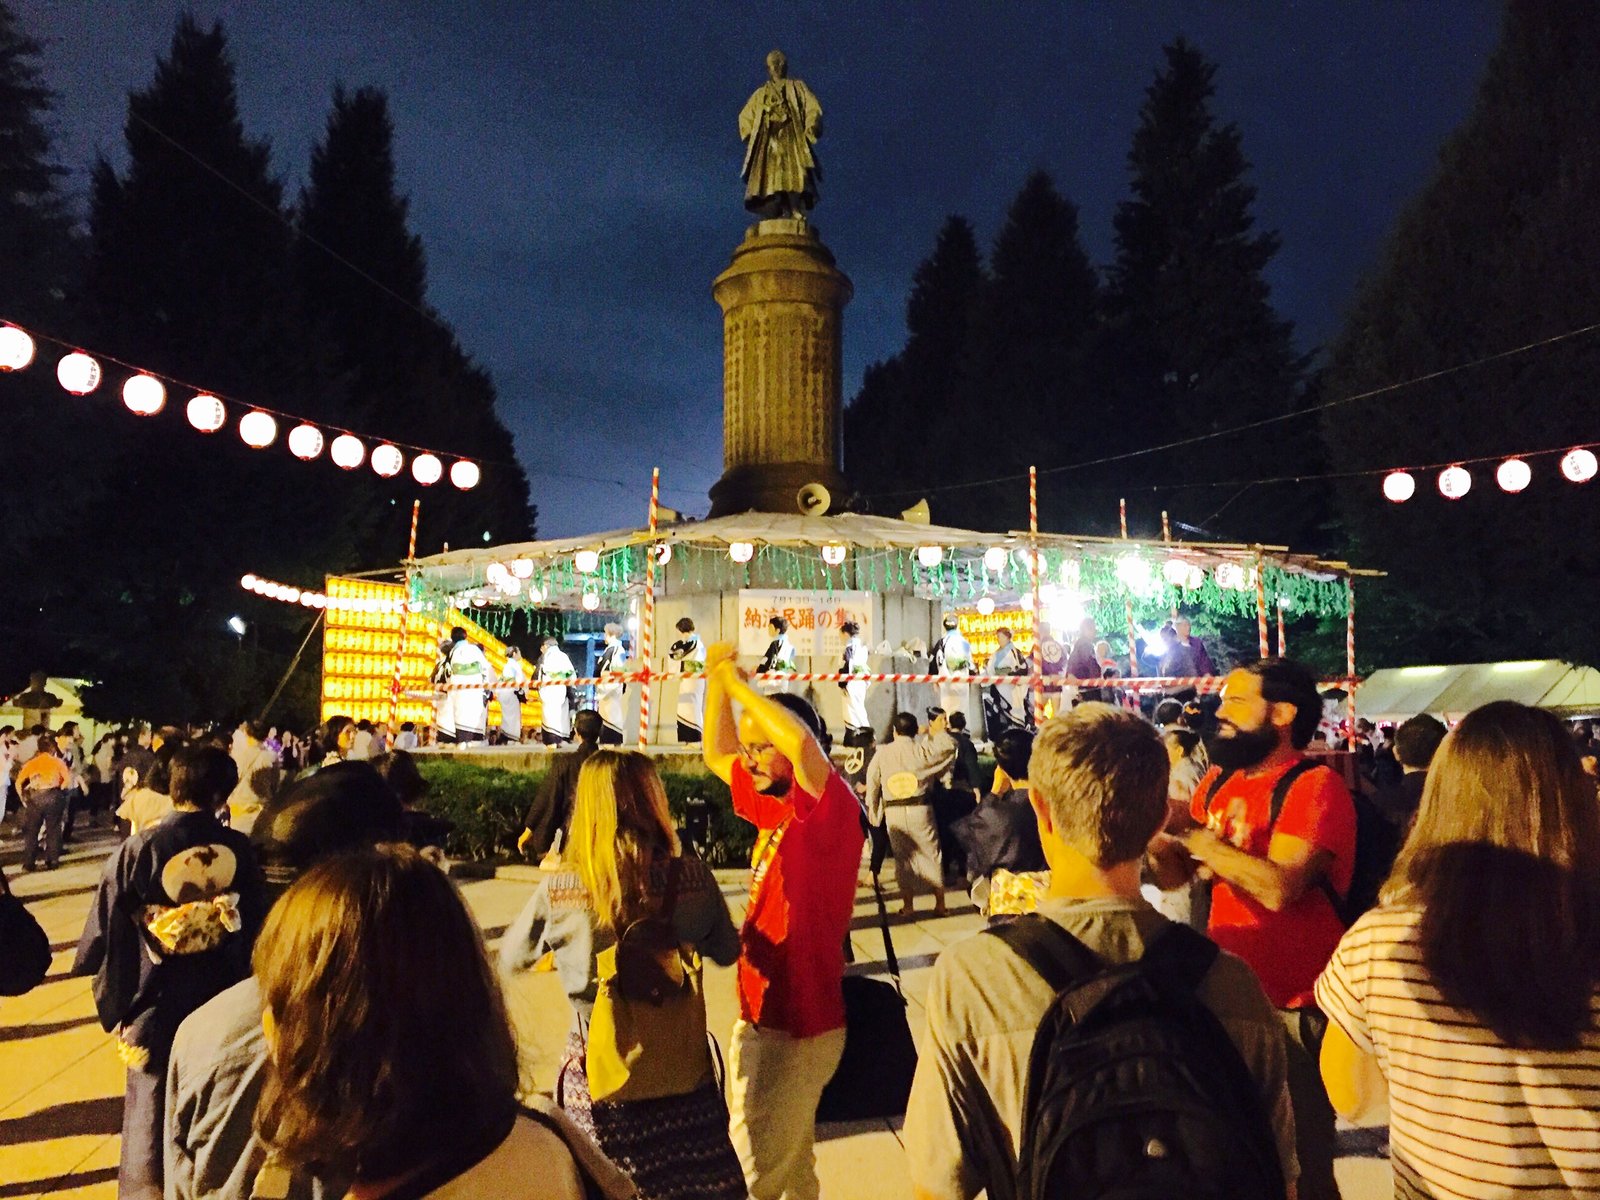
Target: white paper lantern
[535,594]
[426,469]
[1231,575]
[1579,465]
[347,452]
[591,601]
[1513,475]
[248,582]
[387,460]
[1071,573]
[78,373]
[986,605]
[741,552]
[292,595]
[305,442]
[834,554]
[1399,486]
[662,553]
[465,474]
[1454,482]
[308,599]
[930,556]
[522,568]
[1175,571]
[257,429]
[318,600]
[586,562]
[1025,601]
[206,413]
[994,558]
[16,348]
[1134,572]
[144,396]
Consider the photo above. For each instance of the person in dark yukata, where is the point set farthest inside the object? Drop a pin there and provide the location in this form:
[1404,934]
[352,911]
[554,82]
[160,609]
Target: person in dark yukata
[172,925]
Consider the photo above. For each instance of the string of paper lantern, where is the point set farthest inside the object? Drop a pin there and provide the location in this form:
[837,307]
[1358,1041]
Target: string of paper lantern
[308,598]
[1513,475]
[144,393]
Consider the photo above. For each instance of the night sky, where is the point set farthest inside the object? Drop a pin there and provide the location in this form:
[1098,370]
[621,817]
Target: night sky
[573,168]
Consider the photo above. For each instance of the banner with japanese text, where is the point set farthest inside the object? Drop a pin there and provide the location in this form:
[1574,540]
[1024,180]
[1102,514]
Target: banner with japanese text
[814,619]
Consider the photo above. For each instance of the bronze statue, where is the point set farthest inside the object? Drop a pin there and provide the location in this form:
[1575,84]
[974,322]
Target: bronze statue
[779,125]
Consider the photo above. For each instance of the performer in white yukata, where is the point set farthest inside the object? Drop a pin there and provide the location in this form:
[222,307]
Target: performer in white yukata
[555,674]
[689,651]
[779,655]
[469,705]
[444,720]
[952,655]
[857,725]
[1011,700]
[612,698]
[514,682]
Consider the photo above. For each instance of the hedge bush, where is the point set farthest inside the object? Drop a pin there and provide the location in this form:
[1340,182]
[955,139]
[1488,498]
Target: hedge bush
[487,806]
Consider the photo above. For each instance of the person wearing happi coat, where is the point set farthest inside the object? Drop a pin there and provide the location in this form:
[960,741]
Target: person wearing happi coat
[858,725]
[513,681]
[444,716]
[779,655]
[689,651]
[952,655]
[612,698]
[555,675]
[469,705]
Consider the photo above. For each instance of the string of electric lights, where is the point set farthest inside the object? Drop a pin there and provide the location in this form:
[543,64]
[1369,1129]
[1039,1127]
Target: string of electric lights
[144,393]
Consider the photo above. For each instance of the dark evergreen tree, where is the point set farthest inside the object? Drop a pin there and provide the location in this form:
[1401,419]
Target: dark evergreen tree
[1192,344]
[362,280]
[1498,250]
[894,430]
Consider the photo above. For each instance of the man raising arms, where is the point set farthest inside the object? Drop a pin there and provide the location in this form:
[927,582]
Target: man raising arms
[789,1036]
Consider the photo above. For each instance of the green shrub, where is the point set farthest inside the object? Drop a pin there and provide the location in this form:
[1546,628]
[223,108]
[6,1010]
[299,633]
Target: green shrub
[487,806]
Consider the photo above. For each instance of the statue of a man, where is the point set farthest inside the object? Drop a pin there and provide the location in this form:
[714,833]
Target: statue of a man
[779,125]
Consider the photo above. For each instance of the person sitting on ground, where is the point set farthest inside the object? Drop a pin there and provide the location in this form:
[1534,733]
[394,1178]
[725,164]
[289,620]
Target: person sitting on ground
[1415,743]
[624,865]
[215,1069]
[900,780]
[1002,833]
[173,919]
[789,1037]
[400,1080]
[1468,998]
[1099,792]
[550,815]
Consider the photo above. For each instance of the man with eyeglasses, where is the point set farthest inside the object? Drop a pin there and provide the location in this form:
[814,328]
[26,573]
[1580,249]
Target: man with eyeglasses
[788,1039]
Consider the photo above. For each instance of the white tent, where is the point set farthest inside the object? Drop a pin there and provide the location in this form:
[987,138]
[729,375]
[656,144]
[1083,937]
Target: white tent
[1450,692]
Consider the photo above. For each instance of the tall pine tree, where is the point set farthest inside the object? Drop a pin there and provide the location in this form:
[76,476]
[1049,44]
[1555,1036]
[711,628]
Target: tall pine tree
[1498,250]
[1193,344]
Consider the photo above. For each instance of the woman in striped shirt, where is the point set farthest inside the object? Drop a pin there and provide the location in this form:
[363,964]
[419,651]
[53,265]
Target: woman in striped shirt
[1468,998]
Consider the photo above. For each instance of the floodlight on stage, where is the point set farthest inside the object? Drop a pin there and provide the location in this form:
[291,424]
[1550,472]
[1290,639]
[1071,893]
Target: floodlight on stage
[144,396]
[206,413]
[1513,475]
[258,430]
[347,452]
[16,348]
[305,442]
[426,469]
[1399,486]
[1454,482]
[1579,465]
[78,373]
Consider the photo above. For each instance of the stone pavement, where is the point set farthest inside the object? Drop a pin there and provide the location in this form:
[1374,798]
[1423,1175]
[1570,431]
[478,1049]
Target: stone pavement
[61,1082]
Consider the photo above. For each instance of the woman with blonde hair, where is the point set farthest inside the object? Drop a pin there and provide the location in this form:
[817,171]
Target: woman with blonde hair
[1467,999]
[628,897]
[391,1064]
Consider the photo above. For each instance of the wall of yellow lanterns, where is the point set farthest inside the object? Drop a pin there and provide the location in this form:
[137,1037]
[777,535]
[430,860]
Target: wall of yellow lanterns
[982,632]
[359,649]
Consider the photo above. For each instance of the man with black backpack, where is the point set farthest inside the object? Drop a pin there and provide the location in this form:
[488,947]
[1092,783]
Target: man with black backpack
[1094,1048]
[1278,833]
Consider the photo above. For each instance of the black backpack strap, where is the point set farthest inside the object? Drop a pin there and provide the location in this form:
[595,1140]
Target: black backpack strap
[1179,957]
[1059,958]
[1216,785]
[1280,797]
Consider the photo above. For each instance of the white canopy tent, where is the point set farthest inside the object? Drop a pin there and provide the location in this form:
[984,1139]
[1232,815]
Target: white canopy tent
[1450,692]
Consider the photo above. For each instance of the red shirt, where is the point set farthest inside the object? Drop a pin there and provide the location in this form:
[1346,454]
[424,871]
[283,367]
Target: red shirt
[802,893]
[1288,949]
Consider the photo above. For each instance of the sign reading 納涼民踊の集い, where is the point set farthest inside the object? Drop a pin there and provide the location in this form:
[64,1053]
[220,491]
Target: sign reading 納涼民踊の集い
[814,619]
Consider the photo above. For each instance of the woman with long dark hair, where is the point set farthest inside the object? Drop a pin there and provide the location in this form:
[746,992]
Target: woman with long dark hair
[1467,999]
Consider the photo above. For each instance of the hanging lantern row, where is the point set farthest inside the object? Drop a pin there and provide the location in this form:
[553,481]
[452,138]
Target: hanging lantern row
[308,598]
[145,396]
[1578,465]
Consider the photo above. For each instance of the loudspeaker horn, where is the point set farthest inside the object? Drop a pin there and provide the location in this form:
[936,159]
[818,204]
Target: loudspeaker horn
[813,499]
[917,514]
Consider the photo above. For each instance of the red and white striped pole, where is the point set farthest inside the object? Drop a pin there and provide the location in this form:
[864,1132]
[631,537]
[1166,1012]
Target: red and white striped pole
[1166,536]
[1038,607]
[1261,607]
[1283,637]
[1127,601]
[405,620]
[1350,654]
[647,615]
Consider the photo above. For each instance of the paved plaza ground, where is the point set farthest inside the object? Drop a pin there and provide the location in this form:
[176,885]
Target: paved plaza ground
[61,1082]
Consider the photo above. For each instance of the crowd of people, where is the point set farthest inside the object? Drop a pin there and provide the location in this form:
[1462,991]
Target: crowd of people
[1202,944]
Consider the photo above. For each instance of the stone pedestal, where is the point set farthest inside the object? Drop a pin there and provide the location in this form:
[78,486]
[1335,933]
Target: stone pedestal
[782,301]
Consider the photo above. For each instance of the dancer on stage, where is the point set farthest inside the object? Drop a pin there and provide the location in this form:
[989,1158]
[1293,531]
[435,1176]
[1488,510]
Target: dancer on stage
[469,705]
[1007,704]
[554,676]
[779,655]
[444,720]
[612,698]
[514,683]
[690,652]
[858,726]
[952,655]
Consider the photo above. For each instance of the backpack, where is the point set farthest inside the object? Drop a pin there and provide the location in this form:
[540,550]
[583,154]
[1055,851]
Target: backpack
[647,1033]
[1134,1089]
[1377,843]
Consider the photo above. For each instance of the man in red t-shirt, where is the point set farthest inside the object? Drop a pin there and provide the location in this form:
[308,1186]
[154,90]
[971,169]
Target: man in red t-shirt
[789,1036]
[1270,905]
